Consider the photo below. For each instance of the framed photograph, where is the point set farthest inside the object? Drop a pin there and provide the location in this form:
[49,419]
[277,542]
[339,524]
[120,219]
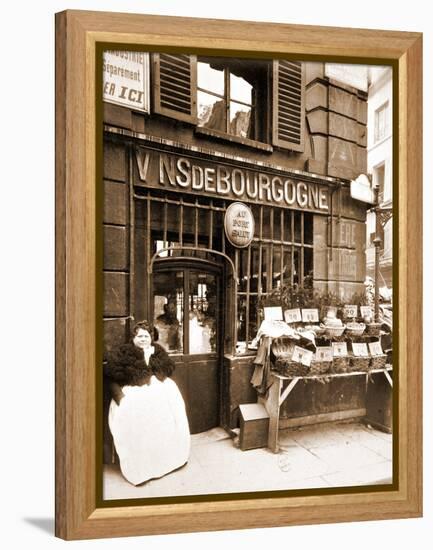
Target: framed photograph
[205,180]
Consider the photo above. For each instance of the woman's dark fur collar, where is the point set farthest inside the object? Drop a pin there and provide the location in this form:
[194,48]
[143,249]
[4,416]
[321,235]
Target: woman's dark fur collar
[126,365]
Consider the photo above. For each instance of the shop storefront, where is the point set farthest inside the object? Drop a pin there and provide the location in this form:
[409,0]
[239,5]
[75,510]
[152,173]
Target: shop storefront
[177,252]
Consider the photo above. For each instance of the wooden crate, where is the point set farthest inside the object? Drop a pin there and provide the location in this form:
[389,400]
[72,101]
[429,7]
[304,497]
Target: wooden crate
[254,426]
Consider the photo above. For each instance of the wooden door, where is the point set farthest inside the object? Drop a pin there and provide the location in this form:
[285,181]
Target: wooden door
[187,313]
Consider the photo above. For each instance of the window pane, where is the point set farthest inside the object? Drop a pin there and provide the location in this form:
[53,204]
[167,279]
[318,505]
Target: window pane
[240,116]
[298,221]
[254,319]
[297,266]
[203,312]
[308,228]
[211,112]
[210,79]
[168,309]
[254,269]
[266,229]
[288,268]
[243,270]
[308,268]
[241,324]
[276,267]
[240,89]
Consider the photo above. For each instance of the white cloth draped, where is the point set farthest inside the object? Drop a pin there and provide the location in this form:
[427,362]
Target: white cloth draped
[150,430]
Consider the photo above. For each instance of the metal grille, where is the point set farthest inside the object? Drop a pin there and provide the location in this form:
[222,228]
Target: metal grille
[281,251]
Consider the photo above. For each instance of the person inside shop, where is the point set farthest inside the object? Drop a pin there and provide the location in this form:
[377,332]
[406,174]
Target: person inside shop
[168,327]
[147,417]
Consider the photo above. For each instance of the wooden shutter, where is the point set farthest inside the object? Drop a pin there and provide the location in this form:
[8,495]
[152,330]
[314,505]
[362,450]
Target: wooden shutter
[175,87]
[288,107]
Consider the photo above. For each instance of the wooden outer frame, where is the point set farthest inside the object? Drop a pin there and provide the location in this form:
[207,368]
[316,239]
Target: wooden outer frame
[77,33]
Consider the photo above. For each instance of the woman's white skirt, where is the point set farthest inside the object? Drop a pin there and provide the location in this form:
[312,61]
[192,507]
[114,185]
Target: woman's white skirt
[150,430]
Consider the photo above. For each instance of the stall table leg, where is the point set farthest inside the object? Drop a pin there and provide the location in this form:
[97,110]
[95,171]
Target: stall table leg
[272,403]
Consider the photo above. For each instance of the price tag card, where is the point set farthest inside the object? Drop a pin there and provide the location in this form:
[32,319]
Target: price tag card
[292,315]
[375,348]
[339,349]
[366,312]
[310,315]
[360,350]
[273,313]
[350,312]
[302,355]
[324,353]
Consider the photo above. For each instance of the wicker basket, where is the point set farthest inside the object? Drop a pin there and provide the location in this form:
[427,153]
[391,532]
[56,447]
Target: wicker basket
[333,332]
[286,367]
[282,347]
[359,364]
[354,330]
[373,329]
[378,361]
[319,367]
[339,365]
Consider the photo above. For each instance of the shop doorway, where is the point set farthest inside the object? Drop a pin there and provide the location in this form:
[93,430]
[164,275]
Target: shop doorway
[187,309]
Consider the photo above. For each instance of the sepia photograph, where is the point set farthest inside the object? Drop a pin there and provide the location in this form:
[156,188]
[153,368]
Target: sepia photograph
[248,275]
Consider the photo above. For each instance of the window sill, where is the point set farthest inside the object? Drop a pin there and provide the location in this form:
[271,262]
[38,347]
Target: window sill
[234,139]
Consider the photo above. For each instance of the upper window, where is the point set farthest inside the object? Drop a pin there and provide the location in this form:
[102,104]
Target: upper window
[226,101]
[381,122]
[254,102]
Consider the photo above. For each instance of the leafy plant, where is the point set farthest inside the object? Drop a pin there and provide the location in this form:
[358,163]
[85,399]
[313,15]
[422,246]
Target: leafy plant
[295,296]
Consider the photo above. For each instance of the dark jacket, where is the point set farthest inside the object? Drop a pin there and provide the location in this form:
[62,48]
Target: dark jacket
[126,365]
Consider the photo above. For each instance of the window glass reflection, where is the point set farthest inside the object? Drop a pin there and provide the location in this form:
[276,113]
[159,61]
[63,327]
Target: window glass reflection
[240,116]
[168,310]
[211,111]
[202,301]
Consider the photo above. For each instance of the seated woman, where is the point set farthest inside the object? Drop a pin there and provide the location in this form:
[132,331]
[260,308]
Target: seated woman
[147,413]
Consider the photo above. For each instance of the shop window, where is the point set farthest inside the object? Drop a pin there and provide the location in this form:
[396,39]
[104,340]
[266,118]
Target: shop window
[281,254]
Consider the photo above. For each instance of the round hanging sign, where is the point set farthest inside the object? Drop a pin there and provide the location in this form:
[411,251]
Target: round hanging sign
[239,224]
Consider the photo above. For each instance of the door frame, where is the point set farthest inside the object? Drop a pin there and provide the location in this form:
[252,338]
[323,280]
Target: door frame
[187,264]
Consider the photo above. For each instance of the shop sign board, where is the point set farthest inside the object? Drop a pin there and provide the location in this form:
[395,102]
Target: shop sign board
[126,79]
[197,175]
[239,227]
